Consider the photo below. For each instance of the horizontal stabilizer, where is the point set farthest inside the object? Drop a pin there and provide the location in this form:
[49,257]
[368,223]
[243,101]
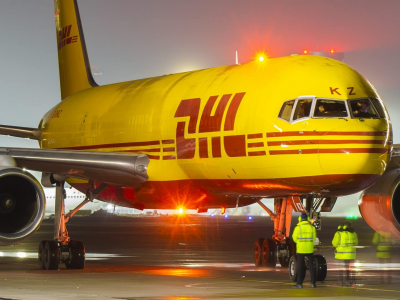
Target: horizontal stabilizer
[22,132]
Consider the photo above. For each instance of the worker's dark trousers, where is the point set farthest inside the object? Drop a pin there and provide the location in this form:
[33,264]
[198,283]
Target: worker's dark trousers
[385,272]
[346,274]
[301,266]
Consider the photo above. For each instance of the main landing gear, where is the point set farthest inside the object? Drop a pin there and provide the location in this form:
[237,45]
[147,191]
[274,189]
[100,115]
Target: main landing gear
[268,251]
[62,249]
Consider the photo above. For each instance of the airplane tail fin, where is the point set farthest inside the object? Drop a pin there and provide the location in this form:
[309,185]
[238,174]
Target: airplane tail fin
[73,60]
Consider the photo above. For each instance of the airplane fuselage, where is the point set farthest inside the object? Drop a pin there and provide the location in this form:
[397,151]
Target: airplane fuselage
[213,135]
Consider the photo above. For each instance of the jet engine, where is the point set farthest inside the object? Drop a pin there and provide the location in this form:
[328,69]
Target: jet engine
[22,205]
[379,204]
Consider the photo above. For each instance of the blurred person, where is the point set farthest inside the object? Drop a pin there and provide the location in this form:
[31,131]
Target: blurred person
[304,235]
[383,244]
[345,240]
[362,110]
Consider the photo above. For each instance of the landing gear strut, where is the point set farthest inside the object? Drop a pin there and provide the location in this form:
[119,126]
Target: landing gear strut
[280,247]
[62,249]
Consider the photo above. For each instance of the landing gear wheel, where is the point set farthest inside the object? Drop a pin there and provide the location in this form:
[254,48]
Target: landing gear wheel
[291,250]
[41,254]
[51,255]
[76,255]
[293,269]
[320,267]
[269,253]
[258,251]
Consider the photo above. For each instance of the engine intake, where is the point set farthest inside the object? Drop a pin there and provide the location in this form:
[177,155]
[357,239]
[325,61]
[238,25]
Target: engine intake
[379,205]
[22,205]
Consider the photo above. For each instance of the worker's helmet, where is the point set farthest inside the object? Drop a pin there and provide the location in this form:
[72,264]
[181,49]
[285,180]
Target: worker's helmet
[304,217]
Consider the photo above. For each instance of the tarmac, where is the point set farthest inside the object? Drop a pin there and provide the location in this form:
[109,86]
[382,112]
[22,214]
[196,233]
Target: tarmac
[182,258]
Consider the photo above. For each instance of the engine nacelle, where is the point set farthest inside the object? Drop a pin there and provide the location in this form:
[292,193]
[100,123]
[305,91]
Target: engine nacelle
[22,205]
[380,204]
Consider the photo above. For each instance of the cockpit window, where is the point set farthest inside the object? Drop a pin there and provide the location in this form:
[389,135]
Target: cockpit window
[286,110]
[303,108]
[325,108]
[379,107]
[362,108]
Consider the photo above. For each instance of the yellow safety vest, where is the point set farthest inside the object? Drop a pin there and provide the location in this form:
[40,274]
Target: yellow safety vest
[345,243]
[304,235]
[384,246]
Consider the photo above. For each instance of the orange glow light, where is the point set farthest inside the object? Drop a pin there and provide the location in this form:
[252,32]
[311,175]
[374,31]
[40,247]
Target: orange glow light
[223,209]
[180,210]
[260,56]
[305,51]
[332,51]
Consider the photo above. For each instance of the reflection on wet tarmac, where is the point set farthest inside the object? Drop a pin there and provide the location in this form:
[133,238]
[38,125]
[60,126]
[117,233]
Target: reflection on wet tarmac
[89,256]
[182,272]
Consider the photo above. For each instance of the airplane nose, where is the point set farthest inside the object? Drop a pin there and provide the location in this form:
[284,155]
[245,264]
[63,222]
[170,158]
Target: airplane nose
[346,150]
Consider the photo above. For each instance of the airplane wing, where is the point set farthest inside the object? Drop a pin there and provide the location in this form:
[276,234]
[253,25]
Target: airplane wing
[58,165]
[396,150]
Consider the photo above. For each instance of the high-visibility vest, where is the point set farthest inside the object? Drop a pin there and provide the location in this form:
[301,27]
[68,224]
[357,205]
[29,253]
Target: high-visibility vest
[384,246]
[304,235]
[345,243]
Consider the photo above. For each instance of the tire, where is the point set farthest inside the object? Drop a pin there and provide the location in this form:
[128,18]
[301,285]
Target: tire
[269,253]
[292,267]
[320,267]
[42,245]
[76,255]
[51,255]
[284,261]
[257,252]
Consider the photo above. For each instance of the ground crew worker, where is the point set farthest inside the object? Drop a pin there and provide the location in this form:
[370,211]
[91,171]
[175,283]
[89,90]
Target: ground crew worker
[304,235]
[383,251]
[344,241]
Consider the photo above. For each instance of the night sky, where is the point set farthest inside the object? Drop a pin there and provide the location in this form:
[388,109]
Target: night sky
[129,39]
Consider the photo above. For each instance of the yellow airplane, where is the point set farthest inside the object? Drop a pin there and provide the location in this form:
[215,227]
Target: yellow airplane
[301,129]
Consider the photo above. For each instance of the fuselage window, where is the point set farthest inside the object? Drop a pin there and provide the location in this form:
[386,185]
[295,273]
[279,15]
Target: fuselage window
[326,108]
[379,107]
[303,108]
[362,108]
[286,110]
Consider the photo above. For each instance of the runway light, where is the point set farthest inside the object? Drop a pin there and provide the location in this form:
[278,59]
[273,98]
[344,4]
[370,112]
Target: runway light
[21,254]
[180,211]
[250,218]
[332,51]
[351,217]
[212,215]
[305,51]
[226,216]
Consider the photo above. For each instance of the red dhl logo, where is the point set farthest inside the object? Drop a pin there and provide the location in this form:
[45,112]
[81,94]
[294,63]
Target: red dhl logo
[64,37]
[235,145]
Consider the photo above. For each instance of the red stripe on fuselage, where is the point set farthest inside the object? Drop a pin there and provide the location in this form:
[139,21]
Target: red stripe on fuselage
[322,133]
[134,144]
[306,142]
[319,151]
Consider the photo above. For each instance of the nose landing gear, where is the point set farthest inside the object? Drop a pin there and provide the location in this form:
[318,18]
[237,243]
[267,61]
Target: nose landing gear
[280,247]
[62,249]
